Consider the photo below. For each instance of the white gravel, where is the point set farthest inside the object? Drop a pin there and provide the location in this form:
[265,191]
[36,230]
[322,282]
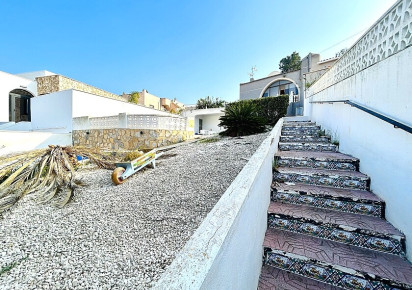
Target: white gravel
[119,237]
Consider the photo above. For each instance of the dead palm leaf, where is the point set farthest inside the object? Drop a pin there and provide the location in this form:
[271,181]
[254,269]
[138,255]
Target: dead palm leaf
[48,173]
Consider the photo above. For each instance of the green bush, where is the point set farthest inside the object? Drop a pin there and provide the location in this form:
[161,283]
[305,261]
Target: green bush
[242,118]
[134,97]
[271,108]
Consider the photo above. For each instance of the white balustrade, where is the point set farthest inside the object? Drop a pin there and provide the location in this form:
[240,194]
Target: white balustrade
[153,122]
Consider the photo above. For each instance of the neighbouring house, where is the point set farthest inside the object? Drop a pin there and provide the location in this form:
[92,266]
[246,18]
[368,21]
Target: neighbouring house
[292,83]
[38,108]
[206,121]
[44,100]
[151,101]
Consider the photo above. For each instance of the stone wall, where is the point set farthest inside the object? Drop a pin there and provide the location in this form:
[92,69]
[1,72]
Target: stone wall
[128,139]
[56,83]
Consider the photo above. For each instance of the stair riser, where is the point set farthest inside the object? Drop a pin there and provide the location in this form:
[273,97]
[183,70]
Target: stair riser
[299,124]
[310,163]
[300,127]
[308,147]
[334,233]
[333,181]
[304,139]
[357,207]
[300,131]
[325,273]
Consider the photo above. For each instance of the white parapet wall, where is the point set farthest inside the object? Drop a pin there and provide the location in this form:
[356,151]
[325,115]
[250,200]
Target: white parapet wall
[226,250]
[19,141]
[55,111]
[125,121]
[376,73]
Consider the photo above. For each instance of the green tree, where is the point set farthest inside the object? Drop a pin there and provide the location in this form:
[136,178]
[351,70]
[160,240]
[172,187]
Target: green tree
[290,63]
[209,102]
[134,97]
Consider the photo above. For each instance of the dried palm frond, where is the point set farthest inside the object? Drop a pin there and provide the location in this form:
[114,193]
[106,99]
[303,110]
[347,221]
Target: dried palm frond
[46,172]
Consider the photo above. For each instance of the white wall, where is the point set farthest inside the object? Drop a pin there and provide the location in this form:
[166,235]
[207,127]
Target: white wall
[226,250]
[55,111]
[35,74]
[12,141]
[85,104]
[210,118]
[385,152]
[9,82]
[210,122]
[52,112]
[20,126]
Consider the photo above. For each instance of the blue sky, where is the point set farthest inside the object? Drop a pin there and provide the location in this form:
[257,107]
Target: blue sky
[182,49]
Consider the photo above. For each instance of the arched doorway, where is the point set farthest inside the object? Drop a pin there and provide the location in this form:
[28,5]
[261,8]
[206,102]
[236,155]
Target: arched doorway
[281,87]
[285,86]
[19,105]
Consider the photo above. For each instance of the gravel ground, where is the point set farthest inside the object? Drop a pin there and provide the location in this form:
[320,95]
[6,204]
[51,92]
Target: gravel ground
[119,237]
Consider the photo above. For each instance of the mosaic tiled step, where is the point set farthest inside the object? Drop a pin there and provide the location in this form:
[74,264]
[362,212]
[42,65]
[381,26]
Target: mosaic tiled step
[338,264]
[300,123]
[304,130]
[304,139]
[275,279]
[300,127]
[348,228]
[334,178]
[319,160]
[346,200]
[321,147]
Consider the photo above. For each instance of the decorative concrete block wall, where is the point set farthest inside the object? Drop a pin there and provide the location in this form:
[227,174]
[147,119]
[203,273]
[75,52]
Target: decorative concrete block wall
[375,73]
[129,139]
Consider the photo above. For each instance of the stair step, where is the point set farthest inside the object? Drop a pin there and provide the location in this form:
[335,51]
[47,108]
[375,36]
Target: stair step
[335,263]
[305,139]
[311,131]
[334,178]
[310,126]
[320,160]
[297,146]
[346,200]
[362,231]
[275,279]
[299,123]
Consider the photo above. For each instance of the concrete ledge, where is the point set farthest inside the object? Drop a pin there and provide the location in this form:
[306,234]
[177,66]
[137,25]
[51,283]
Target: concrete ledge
[226,250]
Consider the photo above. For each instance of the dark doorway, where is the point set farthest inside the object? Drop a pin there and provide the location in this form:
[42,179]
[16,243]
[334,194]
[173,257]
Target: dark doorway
[200,125]
[19,105]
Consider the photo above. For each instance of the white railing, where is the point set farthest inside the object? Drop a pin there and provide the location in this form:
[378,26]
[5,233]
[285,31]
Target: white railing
[154,122]
[391,34]
[104,122]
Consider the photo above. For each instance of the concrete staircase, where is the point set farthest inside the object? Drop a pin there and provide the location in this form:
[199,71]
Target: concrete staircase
[326,230]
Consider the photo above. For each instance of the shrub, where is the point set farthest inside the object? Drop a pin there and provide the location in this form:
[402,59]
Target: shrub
[209,102]
[134,97]
[242,118]
[271,108]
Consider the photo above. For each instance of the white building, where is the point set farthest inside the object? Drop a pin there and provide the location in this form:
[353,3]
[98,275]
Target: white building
[37,108]
[206,121]
[293,83]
